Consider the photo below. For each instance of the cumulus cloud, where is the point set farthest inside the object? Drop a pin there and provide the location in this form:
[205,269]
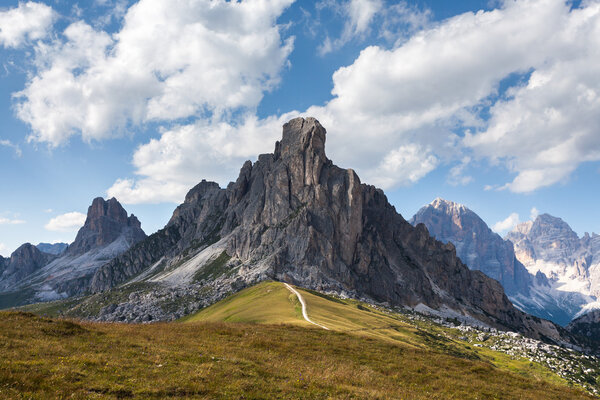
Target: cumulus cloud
[507,224]
[361,17]
[3,249]
[168,167]
[66,222]
[27,22]
[170,60]
[396,113]
[10,221]
[545,128]
[405,165]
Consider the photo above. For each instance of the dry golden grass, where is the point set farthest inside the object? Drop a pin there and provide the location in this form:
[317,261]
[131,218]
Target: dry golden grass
[56,359]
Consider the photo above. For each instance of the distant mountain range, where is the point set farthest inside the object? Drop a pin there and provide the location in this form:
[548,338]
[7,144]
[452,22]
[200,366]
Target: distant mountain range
[32,274]
[542,264]
[52,248]
[548,245]
[291,216]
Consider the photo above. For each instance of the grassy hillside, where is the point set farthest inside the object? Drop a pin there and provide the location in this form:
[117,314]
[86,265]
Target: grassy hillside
[271,303]
[256,345]
[44,358]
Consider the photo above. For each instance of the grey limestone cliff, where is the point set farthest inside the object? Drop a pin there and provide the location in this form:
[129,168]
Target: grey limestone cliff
[294,216]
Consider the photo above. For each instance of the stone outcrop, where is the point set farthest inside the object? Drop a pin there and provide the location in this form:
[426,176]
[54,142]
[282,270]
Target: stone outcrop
[294,216]
[106,221]
[587,326]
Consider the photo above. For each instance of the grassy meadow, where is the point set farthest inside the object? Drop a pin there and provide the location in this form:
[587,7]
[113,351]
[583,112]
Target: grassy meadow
[255,345]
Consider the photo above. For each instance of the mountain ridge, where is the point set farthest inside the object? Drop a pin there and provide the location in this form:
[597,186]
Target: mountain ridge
[295,217]
[531,290]
[107,232]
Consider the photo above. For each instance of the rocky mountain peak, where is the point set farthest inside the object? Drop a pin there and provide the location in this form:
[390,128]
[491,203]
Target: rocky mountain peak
[294,216]
[22,262]
[546,224]
[106,221]
[449,206]
[26,253]
[301,135]
[546,238]
[476,244]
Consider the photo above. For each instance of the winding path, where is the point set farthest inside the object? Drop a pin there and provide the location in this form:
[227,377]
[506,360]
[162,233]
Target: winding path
[304,314]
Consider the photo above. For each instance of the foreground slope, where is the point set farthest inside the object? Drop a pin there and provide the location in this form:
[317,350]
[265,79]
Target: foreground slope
[43,358]
[294,216]
[272,303]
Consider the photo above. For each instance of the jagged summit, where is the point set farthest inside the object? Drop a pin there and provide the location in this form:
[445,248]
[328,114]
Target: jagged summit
[301,136]
[442,204]
[476,244]
[24,261]
[106,221]
[294,216]
[482,249]
[548,244]
[32,275]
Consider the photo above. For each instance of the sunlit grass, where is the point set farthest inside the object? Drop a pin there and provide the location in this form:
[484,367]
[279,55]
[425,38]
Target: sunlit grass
[44,358]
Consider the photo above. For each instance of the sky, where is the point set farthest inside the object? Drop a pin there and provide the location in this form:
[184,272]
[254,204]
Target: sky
[492,104]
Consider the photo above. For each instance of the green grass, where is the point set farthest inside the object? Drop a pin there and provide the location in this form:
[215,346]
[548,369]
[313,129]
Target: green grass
[272,303]
[255,344]
[43,358]
[13,299]
[265,303]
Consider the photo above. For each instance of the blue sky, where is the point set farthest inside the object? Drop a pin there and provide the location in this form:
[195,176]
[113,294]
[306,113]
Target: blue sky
[494,104]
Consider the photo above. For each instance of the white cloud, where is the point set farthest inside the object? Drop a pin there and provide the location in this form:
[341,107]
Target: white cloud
[545,128]
[66,222]
[168,167]
[533,214]
[171,60]
[3,249]
[29,21]
[456,176]
[361,13]
[507,224]
[15,147]
[10,221]
[392,22]
[394,111]
[405,165]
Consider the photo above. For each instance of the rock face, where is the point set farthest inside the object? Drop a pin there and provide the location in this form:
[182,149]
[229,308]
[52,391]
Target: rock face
[52,248]
[107,232]
[572,264]
[587,326]
[476,244]
[23,262]
[106,221]
[293,216]
[481,249]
